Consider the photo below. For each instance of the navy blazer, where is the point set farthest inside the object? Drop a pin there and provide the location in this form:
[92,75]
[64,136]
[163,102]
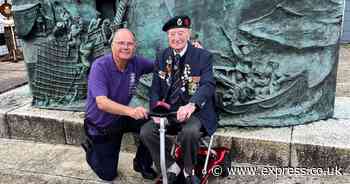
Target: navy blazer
[201,64]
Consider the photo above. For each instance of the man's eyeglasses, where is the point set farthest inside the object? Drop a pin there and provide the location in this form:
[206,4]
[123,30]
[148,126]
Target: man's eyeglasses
[125,44]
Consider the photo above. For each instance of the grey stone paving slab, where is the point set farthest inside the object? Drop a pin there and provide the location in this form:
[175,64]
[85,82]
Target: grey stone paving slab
[66,161]
[12,75]
[342,107]
[322,144]
[259,145]
[331,133]
[26,162]
[24,177]
[15,98]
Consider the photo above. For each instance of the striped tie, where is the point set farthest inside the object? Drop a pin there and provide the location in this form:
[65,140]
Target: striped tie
[176,81]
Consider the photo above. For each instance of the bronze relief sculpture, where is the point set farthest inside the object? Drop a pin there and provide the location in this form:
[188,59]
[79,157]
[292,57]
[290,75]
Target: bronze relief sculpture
[275,61]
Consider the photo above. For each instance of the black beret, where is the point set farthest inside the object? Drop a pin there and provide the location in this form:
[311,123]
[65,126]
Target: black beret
[182,21]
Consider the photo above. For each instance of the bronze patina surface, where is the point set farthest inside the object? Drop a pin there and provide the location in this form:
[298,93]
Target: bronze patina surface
[275,61]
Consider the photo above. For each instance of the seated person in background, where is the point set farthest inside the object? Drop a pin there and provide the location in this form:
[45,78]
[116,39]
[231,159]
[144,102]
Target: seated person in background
[183,79]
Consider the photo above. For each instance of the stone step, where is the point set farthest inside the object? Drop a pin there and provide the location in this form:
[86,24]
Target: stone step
[318,144]
[28,162]
[24,162]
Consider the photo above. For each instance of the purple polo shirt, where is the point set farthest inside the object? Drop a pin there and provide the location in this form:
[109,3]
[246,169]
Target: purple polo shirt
[106,80]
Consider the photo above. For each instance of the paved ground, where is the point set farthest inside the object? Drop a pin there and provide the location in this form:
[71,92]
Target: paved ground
[12,75]
[25,162]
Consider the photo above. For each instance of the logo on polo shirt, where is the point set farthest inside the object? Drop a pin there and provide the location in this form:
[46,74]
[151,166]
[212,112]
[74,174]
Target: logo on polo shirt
[132,84]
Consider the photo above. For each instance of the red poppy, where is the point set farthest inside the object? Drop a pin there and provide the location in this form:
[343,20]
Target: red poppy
[186,22]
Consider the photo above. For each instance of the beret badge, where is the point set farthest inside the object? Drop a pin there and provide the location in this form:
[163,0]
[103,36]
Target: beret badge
[179,22]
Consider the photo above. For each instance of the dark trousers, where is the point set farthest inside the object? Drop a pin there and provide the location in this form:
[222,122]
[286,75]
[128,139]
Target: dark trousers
[103,152]
[189,134]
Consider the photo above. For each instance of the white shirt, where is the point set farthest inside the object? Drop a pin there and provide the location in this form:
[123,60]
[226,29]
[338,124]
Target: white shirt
[183,51]
[7,22]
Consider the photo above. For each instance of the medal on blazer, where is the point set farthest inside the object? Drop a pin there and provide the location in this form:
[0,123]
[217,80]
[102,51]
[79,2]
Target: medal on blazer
[166,74]
[168,62]
[193,84]
[189,82]
[185,77]
[162,75]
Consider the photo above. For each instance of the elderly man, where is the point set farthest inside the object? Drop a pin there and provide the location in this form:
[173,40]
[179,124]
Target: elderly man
[183,81]
[111,84]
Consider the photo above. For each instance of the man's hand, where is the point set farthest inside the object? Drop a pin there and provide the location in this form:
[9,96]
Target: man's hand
[156,119]
[197,44]
[185,112]
[139,113]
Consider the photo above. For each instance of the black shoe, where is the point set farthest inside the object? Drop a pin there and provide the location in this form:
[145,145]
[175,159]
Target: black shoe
[86,146]
[192,180]
[147,173]
[172,178]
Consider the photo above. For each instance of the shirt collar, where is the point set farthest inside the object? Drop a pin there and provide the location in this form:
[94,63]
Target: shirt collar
[130,62]
[183,51]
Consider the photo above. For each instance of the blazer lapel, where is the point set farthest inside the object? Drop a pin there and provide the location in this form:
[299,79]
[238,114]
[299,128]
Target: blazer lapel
[166,87]
[168,53]
[188,53]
